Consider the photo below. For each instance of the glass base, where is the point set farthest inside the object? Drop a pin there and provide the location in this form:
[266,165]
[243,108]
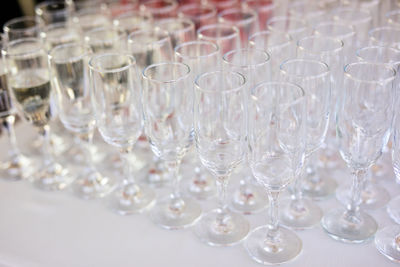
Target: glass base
[387,241]
[52,178]
[157,176]
[203,188]
[372,196]
[249,199]
[58,144]
[393,208]
[212,232]
[175,213]
[349,229]
[131,198]
[16,167]
[324,188]
[299,214]
[286,247]
[92,185]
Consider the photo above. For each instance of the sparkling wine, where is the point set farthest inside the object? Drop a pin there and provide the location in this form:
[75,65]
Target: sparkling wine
[32,89]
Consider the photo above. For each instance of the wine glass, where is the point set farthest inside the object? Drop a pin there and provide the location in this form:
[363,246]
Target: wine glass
[255,65]
[385,36]
[278,44]
[60,33]
[69,69]
[54,11]
[180,30]
[22,27]
[277,118]
[92,17]
[265,9]
[29,81]
[106,39]
[168,120]
[16,166]
[364,117]
[160,9]
[133,21]
[200,56]
[329,50]
[200,14]
[226,37]
[295,27]
[245,20]
[315,79]
[220,136]
[116,98]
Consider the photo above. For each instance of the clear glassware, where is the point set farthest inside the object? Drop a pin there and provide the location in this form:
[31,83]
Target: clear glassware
[220,136]
[277,118]
[180,30]
[296,28]
[329,50]
[363,128]
[387,241]
[255,65]
[29,81]
[385,36]
[133,21]
[200,56]
[118,7]
[278,44]
[393,18]
[54,11]
[60,33]
[160,9]
[359,19]
[315,79]
[226,37]
[265,9]
[222,5]
[168,120]
[22,27]
[106,39]
[116,99]
[200,14]
[245,20]
[371,5]
[92,17]
[69,69]
[16,166]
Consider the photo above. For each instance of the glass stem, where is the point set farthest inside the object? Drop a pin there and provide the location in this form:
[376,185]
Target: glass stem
[222,184]
[87,140]
[173,169]
[273,224]
[311,170]
[129,177]
[358,181]
[47,151]
[9,126]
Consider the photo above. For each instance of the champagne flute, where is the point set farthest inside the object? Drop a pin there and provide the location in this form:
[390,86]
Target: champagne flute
[69,69]
[225,36]
[22,27]
[60,33]
[160,9]
[220,136]
[180,30]
[116,95]
[295,27]
[29,80]
[133,21]
[106,39]
[168,120]
[92,17]
[385,36]
[200,14]
[265,9]
[277,118]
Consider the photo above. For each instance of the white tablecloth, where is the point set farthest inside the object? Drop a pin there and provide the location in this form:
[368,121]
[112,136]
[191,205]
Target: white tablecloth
[57,229]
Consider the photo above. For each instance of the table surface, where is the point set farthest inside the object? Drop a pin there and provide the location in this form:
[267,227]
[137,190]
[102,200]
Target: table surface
[40,228]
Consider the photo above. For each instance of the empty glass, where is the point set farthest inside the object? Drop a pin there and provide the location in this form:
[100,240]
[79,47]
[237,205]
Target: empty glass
[200,14]
[29,80]
[245,20]
[60,33]
[92,17]
[54,11]
[200,56]
[296,28]
[277,118]
[364,117]
[160,9]
[226,37]
[385,36]
[255,65]
[133,21]
[220,136]
[265,9]
[315,79]
[69,69]
[116,98]
[106,39]
[168,119]
[180,30]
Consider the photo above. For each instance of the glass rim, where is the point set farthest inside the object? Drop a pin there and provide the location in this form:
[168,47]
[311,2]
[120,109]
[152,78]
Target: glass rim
[38,23]
[132,13]
[164,38]
[308,77]
[352,10]
[120,34]
[172,5]
[184,8]
[299,27]
[190,25]
[302,96]
[184,76]
[352,32]
[271,5]
[55,49]
[337,41]
[384,28]
[40,6]
[232,90]
[267,32]
[216,26]
[392,49]
[235,10]
[385,65]
[40,48]
[114,70]
[265,53]
[59,24]
[185,44]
